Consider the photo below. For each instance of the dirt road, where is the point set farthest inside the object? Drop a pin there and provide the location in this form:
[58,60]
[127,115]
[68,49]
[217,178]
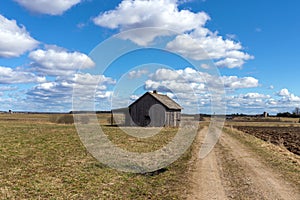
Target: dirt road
[233,171]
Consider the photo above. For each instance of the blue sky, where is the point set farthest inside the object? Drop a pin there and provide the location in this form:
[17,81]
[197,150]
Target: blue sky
[48,47]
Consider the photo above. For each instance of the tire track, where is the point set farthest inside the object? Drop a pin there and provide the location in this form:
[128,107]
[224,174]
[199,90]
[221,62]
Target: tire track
[233,171]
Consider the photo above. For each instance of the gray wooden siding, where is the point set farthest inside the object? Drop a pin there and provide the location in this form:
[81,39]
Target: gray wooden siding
[173,118]
[148,111]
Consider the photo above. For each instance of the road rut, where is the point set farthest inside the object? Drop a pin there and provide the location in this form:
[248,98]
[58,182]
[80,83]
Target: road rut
[233,171]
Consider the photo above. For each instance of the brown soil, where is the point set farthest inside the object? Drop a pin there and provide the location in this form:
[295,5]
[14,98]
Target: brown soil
[233,171]
[289,137]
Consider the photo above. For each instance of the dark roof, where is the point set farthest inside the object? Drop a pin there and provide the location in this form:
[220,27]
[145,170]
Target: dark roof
[166,101]
[120,110]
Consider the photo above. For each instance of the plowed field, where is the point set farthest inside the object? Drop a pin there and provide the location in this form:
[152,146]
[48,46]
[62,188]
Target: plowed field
[289,137]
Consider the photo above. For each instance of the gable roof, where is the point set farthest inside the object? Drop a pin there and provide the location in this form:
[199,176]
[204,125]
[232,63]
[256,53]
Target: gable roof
[163,99]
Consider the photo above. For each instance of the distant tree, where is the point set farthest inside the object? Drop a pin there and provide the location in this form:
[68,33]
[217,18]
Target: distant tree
[296,111]
[285,114]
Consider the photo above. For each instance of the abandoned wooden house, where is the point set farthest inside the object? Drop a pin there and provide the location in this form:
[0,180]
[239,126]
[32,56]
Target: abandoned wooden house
[152,110]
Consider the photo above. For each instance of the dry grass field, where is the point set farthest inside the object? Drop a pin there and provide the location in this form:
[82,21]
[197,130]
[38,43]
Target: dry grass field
[40,159]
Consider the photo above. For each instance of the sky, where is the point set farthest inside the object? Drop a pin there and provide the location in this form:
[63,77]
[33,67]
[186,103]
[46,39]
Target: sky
[241,56]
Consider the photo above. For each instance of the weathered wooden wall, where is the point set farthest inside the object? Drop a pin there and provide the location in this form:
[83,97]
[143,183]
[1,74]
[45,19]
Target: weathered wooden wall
[148,111]
[173,118]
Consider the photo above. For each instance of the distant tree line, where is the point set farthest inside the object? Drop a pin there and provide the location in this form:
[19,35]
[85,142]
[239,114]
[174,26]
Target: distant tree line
[295,113]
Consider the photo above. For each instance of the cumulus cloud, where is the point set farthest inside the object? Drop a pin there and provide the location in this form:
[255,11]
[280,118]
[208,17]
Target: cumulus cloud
[189,79]
[165,14]
[208,45]
[155,13]
[172,86]
[51,7]
[294,98]
[194,89]
[284,92]
[50,95]
[14,39]
[15,76]
[59,92]
[89,79]
[55,61]
[286,96]
[193,39]
[234,82]
[252,103]
[187,75]
[255,103]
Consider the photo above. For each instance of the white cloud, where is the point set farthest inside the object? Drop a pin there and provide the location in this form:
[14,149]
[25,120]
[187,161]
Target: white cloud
[103,94]
[252,103]
[130,14]
[89,79]
[256,103]
[193,40]
[155,13]
[182,75]
[15,76]
[165,74]
[272,102]
[58,94]
[294,98]
[137,73]
[195,89]
[51,7]
[14,39]
[231,62]
[170,85]
[183,80]
[284,92]
[234,82]
[225,52]
[55,61]
[286,96]
[255,95]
